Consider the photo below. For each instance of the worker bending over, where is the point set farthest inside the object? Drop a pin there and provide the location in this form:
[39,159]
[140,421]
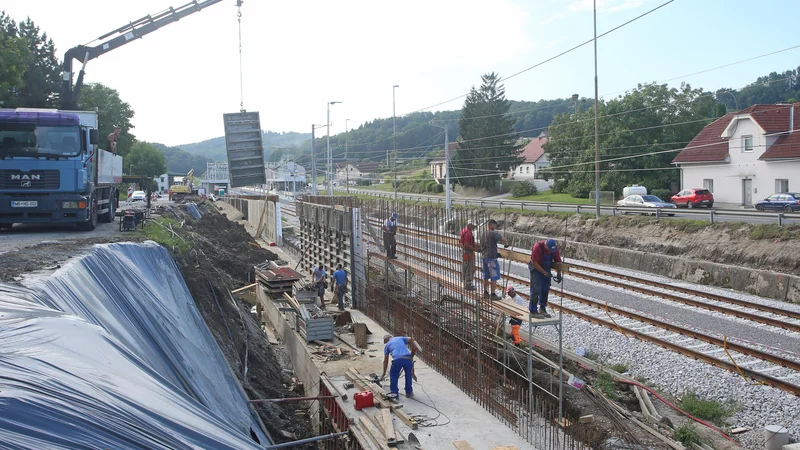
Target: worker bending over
[543,255]
[402,360]
[515,321]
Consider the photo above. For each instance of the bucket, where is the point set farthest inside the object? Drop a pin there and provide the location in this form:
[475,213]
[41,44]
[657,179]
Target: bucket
[775,436]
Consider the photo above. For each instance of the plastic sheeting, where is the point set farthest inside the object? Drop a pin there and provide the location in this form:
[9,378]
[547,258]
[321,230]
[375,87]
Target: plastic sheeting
[111,352]
[191,208]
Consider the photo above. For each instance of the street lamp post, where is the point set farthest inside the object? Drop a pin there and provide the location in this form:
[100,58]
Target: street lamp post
[346,162]
[596,124]
[446,169]
[330,158]
[394,140]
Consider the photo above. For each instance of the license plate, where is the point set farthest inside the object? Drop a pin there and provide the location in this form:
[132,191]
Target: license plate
[25,204]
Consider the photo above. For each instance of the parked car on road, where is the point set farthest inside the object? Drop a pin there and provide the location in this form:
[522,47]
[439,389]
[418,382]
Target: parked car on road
[692,198]
[138,196]
[787,201]
[645,201]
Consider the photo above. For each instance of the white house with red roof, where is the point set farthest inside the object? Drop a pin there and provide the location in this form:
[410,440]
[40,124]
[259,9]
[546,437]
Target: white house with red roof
[745,156]
[534,159]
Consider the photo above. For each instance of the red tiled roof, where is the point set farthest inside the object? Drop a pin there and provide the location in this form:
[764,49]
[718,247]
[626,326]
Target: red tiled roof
[707,145]
[534,150]
[788,145]
[367,167]
[771,118]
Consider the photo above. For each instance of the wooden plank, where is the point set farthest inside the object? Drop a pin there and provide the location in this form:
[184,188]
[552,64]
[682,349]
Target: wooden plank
[399,439]
[462,445]
[388,426]
[377,436]
[244,288]
[360,332]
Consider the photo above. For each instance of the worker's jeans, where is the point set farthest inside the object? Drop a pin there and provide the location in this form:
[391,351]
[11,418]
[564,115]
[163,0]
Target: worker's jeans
[540,289]
[390,242]
[340,289]
[394,375]
[468,268]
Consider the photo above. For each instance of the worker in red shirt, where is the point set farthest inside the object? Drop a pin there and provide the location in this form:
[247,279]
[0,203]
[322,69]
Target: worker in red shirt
[467,240]
[543,255]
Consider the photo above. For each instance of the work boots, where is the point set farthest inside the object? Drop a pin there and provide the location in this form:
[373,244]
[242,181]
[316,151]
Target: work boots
[544,312]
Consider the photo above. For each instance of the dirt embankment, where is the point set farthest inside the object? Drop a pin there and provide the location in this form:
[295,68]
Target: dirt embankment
[757,259]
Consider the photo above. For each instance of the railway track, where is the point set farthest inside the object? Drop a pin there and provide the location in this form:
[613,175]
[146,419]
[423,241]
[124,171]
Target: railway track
[692,343]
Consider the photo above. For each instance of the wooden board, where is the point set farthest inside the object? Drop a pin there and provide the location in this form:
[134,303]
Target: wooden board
[388,426]
[462,445]
[378,416]
[360,332]
[378,438]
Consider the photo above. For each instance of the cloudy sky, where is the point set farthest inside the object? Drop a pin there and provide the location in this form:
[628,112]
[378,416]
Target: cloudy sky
[300,54]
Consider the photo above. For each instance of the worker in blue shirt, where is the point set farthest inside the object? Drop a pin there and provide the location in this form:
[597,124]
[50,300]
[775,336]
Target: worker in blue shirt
[318,276]
[340,278]
[402,360]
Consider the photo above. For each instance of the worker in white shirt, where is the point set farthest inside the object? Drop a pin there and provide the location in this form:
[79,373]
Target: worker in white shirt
[515,321]
[389,238]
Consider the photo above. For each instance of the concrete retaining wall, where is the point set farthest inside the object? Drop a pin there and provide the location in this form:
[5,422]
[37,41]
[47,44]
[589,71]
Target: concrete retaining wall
[758,282]
[271,222]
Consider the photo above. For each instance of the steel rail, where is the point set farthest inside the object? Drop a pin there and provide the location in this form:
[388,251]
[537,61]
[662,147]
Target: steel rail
[772,381]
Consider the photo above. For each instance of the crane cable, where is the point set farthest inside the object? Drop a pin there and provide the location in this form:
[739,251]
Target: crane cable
[241,70]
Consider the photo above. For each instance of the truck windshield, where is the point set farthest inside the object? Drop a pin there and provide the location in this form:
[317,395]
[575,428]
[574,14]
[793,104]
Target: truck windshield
[28,139]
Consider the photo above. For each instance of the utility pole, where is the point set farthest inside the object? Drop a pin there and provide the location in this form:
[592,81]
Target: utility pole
[596,122]
[313,163]
[394,140]
[346,161]
[446,169]
[330,157]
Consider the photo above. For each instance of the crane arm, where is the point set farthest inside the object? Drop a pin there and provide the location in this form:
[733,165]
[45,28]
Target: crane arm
[121,36]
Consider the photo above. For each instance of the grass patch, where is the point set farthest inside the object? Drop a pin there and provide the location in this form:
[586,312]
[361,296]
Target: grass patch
[551,197]
[711,410]
[606,385]
[158,231]
[769,231]
[619,367]
[687,435]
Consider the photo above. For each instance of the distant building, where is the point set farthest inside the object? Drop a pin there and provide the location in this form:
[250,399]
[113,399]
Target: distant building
[354,172]
[534,159]
[437,164]
[745,156]
[285,173]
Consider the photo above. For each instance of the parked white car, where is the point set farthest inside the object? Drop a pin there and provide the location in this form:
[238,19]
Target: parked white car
[138,196]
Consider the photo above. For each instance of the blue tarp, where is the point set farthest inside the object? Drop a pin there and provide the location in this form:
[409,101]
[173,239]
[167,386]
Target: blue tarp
[111,352]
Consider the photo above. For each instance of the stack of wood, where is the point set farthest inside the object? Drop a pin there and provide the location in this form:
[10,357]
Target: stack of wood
[329,352]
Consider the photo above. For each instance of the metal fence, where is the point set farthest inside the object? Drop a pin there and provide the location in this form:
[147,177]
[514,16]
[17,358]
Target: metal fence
[422,294]
[779,218]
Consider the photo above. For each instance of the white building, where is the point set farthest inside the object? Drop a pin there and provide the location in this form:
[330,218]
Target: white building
[533,157]
[363,171]
[437,164]
[745,156]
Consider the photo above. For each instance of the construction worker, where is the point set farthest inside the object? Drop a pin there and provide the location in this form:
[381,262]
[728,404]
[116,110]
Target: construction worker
[467,240]
[389,238]
[112,139]
[340,278]
[515,321]
[490,266]
[319,283]
[402,360]
[543,255]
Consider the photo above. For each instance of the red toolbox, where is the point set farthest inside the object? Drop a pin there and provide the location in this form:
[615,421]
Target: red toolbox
[363,400]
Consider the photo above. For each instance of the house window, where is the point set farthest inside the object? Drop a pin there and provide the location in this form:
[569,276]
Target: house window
[708,183]
[781,185]
[748,144]
[520,169]
[527,170]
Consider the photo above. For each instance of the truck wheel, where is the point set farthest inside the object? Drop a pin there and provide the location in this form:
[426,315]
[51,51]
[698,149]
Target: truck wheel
[90,224]
[112,207]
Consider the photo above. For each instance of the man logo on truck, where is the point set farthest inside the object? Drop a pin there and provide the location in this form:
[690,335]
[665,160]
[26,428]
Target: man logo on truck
[26,177]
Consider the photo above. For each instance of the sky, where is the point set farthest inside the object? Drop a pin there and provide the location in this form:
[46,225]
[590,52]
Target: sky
[299,55]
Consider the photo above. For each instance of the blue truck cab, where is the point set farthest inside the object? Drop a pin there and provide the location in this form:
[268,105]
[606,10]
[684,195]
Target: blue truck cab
[51,170]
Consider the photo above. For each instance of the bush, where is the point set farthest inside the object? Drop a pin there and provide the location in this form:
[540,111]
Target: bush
[687,435]
[430,186]
[663,194]
[712,410]
[363,182]
[524,188]
[606,385]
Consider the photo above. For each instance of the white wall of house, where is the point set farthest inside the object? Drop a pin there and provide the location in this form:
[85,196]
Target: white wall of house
[437,170]
[163,183]
[525,171]
[730,181]
[341,173]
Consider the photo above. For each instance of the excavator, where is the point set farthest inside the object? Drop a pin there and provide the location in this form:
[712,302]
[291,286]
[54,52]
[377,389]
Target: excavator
[121,36]
[185,188]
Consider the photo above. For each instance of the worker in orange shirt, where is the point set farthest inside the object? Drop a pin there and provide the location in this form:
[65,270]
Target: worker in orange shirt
[467,240]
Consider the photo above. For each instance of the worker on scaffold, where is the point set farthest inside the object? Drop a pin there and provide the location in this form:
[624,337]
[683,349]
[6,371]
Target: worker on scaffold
[389,236]
[467,240]
[543,255]
[489,254]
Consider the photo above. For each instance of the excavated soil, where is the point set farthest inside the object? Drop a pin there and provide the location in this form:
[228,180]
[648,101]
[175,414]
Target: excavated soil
[762,247]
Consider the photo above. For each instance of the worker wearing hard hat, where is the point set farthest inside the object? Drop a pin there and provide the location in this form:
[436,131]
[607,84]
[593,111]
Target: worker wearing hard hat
[543,255]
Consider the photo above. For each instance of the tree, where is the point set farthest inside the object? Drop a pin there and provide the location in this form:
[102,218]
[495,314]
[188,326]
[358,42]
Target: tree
[14,56]
[487,145]
[111,110]
[640,134]
[145,160]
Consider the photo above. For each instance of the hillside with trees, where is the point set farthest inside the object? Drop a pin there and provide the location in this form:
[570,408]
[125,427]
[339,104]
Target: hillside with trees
[214,149]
